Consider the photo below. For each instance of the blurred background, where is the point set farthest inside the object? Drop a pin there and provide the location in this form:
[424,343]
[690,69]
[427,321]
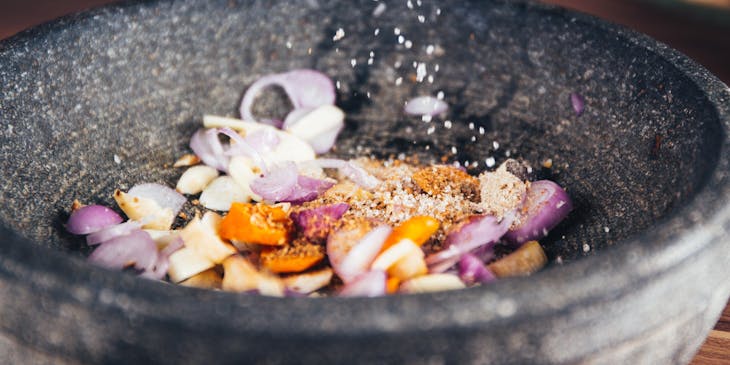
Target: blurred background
[697,28]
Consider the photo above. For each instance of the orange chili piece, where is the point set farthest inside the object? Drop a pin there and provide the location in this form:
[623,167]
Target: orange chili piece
[417,229]
[291,258]
[256,223]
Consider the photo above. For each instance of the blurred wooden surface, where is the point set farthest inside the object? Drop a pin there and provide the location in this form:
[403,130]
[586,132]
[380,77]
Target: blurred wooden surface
[707,41]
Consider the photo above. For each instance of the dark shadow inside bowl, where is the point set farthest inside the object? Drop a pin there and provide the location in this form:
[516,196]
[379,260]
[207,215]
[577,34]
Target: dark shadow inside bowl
[132,84]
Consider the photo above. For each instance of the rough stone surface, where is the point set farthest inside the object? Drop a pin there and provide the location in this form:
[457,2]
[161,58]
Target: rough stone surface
[647,163]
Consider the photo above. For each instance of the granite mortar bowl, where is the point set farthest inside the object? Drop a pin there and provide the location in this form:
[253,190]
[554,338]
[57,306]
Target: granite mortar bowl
[638,274]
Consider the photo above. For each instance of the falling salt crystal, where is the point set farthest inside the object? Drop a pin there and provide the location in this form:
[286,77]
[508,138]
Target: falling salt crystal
[401,39]
[471,126]
[372,54]
[430,130]
[401,156]
[428,147]
[418,2]
[481,130]
[377,31]
[117,159]
[379,10]
[353,62]
[370,61]
[339,35]
[507,153]
[440,95]
[495,144]
[421,72]
[436,68]
[586,248]
[426,118]
[529,168]
[368,94]
[408,44]
[473,138]
[490,161]
[447,124]
[409,4]
[430,79]
[399,81]
[453,149]
[421,18]
[396,30]
[288,45]
[429,49]
[397,64]
[337,84]
[606,229]
[438,11]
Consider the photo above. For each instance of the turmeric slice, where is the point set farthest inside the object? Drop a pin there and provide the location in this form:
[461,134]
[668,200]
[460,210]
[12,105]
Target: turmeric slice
[257,223]
[295,257]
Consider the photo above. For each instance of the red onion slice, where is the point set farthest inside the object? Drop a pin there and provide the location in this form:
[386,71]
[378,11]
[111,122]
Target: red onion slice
[307,189]
[202,143]
[263,140]
[477,231]
[136,248]
[362,255]
[472,270]
[368,284]
[546,205]
[164,196]
[91,218]
[425,105]
[277,184]
[315,223]
[112,232]
[578,103]
[241,147]
[305,88]
[357,174]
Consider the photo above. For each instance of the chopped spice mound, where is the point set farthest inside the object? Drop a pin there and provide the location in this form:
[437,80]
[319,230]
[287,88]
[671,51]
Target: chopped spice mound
[444,179]
[501,191]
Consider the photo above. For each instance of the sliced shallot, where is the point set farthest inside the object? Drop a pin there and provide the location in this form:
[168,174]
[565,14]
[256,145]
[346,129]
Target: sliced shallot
[134,249]
[91,218]
[546,205]
[475,232]
[315,224]
[111,232]
[368,284]
[361,255]
[305,88]
[472,270]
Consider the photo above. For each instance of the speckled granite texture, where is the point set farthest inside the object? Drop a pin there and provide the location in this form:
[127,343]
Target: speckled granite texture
[645,263]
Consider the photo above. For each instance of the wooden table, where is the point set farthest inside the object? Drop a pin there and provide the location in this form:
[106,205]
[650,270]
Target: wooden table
[705,41]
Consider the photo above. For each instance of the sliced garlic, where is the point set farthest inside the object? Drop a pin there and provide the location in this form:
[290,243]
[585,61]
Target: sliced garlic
[319,127]
[208,279]
[221,192]
[186,160]
[163,237]
[432,283]
[202,237]
[185,263]
[241,169]
[239,275]
[195,179]
[393,254]
[308,282]
[144,210]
